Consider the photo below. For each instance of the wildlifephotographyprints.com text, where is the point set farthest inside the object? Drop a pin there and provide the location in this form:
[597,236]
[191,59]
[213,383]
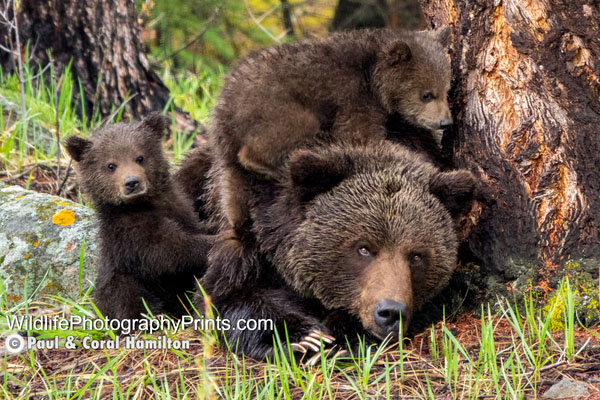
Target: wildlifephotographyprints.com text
[17,343]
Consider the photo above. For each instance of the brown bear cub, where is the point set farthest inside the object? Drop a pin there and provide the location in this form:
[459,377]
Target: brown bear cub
[350,240]
[152,243]
[342,88]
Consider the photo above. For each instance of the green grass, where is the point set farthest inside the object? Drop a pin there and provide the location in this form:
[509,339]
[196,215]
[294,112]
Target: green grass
[54,105]
[505,356]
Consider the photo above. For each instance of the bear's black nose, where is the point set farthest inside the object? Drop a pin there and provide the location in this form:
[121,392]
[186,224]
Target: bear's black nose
[387,316]
[131,184]
[445,123]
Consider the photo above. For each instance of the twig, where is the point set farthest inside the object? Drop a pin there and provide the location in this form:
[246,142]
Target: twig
[257,22]
[114,113]
[62,184]
[198,37]
[59,84]
[19,58]
[41,72]
[548,367]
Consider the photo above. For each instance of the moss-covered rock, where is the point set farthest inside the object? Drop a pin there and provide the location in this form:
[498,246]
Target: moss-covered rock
[48,245]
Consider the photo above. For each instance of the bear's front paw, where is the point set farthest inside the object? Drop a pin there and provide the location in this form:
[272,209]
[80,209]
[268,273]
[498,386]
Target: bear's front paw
[311,343]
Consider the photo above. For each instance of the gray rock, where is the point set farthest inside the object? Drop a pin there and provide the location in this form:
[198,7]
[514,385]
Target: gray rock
[566,388]
[7,105]
[41,238]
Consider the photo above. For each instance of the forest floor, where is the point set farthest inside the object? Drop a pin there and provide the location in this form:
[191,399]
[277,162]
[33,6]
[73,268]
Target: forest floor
[506,356]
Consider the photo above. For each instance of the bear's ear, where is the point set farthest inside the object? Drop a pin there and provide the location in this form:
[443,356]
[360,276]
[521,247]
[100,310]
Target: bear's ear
[397,52]
[455,189]
[76,147]
[313,174]
[154,124]
[442,35]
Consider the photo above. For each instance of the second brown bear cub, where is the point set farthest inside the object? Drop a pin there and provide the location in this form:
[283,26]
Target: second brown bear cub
[152,244]
[342,88]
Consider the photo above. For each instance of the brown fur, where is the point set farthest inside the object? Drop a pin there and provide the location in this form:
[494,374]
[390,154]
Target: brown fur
[194,179]
[376,284]
[308,230]
[152,245]
[342,88]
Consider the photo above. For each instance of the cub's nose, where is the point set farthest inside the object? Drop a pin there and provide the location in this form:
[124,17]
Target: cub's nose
[445,123]
[132,183]
[387,316]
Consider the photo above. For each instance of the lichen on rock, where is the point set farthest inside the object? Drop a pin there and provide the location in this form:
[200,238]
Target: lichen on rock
[41,240]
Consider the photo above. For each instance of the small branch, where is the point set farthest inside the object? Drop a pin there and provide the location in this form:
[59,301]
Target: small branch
[198,37]
[62,184]
[257,22]
[114,113]
[19,58]
[59,84]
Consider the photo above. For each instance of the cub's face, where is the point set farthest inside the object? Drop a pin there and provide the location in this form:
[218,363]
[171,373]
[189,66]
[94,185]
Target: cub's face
[381,241]
[121,164]
[413,79]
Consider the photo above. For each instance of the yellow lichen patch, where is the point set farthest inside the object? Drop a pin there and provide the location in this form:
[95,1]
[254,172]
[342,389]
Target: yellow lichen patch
[63,218]
[20,197]
[36,244]
[14,298]
[27,256]
[62,203]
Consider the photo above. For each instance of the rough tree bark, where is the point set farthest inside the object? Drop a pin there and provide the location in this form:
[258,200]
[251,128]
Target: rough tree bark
[526,98]
[102,39]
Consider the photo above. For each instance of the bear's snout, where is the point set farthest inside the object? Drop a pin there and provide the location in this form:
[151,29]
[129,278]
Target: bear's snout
[133,187]
[386,294]
[132,183]
[387,316]
[446,123]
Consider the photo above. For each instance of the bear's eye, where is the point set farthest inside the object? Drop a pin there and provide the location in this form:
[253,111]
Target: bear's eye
[140,159]
[364,251]
[111,167]
[415,259]
[427,97]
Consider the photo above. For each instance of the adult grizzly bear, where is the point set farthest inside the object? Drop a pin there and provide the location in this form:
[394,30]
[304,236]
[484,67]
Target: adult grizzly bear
[152,243]
[350,239]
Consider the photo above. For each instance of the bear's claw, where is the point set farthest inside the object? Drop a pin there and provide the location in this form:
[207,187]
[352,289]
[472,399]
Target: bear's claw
[312,342]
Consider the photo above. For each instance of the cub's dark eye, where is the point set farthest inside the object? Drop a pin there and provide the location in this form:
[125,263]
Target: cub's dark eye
[140,159]
[364,251]
[415,259]
[427,97]
[111,167]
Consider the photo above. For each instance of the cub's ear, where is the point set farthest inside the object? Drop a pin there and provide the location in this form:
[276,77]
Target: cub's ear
[76,147]
[154,124]
[397,52]
[314,173]
[442,35]
[455,189]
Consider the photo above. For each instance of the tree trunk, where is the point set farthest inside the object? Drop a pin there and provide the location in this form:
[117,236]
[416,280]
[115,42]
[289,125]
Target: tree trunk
[357,14]
[286,13]
[102,40]
[526,98]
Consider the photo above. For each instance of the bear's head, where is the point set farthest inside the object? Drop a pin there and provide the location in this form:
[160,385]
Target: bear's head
[375,234]
[122,163]
[412,77]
